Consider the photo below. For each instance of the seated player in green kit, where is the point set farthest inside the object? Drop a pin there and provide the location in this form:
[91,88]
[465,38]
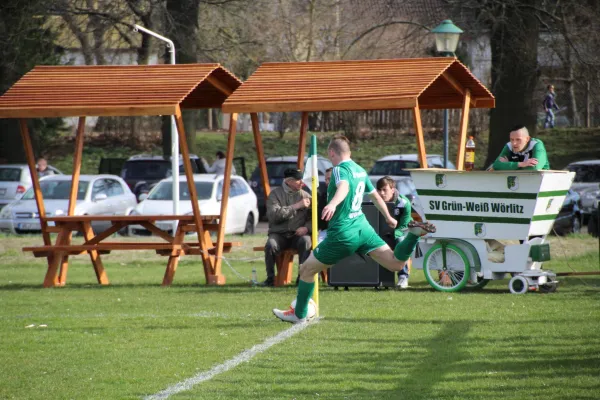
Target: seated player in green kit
[349,231]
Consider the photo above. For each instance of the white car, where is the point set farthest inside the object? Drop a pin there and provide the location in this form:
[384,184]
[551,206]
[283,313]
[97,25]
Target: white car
[242,212]
[396,165]
[96,195]
[15,179]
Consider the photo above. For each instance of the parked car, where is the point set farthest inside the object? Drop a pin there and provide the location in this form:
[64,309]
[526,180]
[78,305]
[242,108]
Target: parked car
[275,169]
[143,171]
[242,213]
[587,184]
[96,195]
[569,217]
[406,187]
[15,179]
[397,165]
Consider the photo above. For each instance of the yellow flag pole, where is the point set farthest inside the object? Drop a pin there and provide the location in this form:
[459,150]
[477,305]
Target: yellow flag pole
[315,216]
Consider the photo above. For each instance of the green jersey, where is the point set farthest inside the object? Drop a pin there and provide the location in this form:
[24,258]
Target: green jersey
[348,214]
[535,149]
[402,211]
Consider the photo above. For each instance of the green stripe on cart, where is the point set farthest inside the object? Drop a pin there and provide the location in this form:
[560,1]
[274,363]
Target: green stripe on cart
[470,218]
[489,195]
[544,217]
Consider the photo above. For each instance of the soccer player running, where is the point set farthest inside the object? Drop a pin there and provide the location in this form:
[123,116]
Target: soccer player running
[349,231]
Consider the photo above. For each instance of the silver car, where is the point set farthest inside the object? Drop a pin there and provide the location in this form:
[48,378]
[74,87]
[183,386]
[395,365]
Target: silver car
[97,195]
[587,184]
[15,179]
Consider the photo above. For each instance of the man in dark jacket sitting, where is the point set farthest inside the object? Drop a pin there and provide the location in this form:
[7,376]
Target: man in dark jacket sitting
[290,226]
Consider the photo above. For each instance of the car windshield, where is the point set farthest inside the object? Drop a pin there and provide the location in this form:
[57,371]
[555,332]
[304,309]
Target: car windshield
[10,174]
[274,169]
[57,190]
[164,191]
[152,169]
[393,167]
[585,173]
[155,169]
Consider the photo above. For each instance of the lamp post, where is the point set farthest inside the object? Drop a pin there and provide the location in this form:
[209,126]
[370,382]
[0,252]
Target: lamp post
[174,137]
[446,40]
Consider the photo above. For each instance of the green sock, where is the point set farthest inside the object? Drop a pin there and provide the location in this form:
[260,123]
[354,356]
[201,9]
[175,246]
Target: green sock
[305,291]
[404,249]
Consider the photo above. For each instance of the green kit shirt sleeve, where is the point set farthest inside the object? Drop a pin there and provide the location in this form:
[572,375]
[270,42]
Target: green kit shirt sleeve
[402,214]
[539,153]
[505,166]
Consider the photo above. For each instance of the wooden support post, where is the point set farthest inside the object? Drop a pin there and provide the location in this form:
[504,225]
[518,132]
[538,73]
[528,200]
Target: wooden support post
[51,279]
[76,166]
[174,256]
[217,278]
[419,134]
[262,164]
[302,141]
[189,174]
[88,234]
[64,262]
[37,191]
[462,134]
[64,265]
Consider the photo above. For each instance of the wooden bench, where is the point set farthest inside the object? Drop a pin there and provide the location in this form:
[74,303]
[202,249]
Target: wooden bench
[173,246]
[285,266]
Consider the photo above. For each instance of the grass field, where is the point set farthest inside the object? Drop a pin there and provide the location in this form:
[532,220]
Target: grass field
[135,338]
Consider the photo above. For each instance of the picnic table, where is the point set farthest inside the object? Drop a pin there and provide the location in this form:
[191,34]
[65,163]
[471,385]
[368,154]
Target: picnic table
[173,246]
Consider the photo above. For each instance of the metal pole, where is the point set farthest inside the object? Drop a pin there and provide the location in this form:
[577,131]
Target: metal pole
[174,137]
[445,138]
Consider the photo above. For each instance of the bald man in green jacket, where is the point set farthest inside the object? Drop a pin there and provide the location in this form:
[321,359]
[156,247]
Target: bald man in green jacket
[522,153]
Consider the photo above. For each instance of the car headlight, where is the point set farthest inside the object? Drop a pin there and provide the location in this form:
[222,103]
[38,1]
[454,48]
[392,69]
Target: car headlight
[58,213]
[5,213]
[591,195]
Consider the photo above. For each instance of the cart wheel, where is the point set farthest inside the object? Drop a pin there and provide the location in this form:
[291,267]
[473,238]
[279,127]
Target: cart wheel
[548,287]
[480,284]
[518,285]
[446,268]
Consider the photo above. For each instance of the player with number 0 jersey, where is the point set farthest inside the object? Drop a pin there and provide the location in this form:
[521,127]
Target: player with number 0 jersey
[349,231]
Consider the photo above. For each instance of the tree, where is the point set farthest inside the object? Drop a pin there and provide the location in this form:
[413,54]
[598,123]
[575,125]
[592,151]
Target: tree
[568,28]
[24,43]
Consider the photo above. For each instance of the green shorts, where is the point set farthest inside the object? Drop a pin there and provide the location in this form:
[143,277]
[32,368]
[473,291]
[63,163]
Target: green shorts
[337,246]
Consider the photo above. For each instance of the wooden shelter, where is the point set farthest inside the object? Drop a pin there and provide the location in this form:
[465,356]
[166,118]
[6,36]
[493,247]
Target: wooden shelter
[417,83]
[81,91]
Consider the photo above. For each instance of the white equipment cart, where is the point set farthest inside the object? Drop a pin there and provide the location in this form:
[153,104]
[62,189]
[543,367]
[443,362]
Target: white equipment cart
[473,212]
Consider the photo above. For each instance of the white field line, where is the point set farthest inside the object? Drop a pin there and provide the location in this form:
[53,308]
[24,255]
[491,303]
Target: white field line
[244,356]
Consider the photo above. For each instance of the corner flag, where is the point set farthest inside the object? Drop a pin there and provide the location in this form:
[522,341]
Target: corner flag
[311,179]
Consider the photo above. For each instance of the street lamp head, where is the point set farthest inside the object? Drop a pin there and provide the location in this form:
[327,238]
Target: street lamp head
[446,37]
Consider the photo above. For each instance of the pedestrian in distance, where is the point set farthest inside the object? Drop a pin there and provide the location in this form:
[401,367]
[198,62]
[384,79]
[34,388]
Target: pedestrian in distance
[550,105]
[218,167]
[42,168]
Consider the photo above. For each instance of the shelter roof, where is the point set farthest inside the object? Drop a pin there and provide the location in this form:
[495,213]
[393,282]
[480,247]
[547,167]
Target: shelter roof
[359,85]
[116,90]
